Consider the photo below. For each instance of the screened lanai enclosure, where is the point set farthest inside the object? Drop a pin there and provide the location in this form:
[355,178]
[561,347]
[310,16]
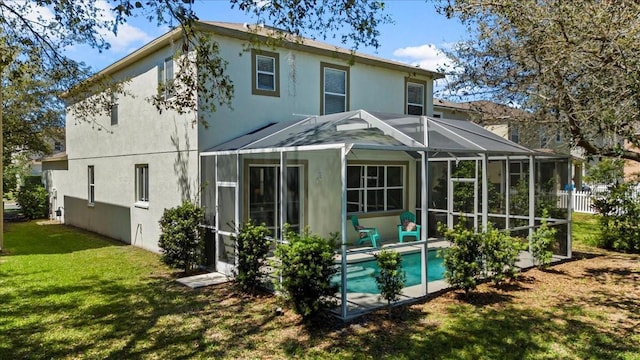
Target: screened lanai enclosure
[328,173]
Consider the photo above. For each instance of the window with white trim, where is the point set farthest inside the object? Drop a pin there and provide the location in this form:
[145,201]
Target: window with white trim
[335,88]
[91,192]
[514,134]
[142,183]
[264,79]
[518,171]
[415,98]
[375,188]
[166,78]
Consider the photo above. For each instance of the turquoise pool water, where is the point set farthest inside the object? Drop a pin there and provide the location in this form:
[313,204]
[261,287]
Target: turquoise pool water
[361,275]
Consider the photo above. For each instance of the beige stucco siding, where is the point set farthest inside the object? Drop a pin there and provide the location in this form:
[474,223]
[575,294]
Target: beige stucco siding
[371,88]
[166,142]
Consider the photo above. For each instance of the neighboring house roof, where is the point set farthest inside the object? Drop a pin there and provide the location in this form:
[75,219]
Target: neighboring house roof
[245,32]
[446,104]
[371,130]
[61,156]
[490,112]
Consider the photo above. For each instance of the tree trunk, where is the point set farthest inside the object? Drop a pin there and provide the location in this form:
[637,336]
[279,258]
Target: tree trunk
[1,169]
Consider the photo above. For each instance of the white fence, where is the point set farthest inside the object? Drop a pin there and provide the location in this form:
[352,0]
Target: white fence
[582,201]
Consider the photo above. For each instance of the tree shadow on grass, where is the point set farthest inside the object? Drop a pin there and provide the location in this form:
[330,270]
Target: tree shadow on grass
[484,298]
[469,333]
[580,255]
[119,320]
[29,238]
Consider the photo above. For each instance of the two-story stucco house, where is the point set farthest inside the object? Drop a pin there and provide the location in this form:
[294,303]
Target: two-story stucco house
[316,137]
[123,170]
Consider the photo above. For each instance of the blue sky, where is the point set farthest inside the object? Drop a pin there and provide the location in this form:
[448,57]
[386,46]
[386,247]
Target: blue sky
[414,37]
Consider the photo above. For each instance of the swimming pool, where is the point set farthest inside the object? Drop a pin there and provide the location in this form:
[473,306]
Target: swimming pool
[361,275]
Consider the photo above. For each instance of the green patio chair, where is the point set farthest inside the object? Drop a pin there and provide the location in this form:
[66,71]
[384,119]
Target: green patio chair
[365,233]
[406,219]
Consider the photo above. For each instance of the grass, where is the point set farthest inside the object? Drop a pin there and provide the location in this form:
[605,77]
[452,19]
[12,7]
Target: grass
[584,229]
[65,293]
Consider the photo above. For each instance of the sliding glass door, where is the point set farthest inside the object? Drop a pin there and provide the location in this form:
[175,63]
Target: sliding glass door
[264,196]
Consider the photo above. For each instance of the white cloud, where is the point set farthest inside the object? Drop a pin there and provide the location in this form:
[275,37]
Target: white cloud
[427,56]
[430,57]
[127,34]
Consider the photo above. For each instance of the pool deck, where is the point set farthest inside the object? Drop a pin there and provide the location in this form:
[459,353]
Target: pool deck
[358,303]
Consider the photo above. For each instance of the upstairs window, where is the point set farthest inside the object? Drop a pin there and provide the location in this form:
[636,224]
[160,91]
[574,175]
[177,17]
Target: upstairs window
[57,146]
[514,134]
[166,79]
[142,183]
[335,89]
[264,79]
[415,97]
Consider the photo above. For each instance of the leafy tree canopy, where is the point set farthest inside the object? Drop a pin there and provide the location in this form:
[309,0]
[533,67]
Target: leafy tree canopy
[570,64]
[32,118]
[605,171]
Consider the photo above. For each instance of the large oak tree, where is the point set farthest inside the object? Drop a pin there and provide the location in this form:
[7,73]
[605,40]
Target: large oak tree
[573,65]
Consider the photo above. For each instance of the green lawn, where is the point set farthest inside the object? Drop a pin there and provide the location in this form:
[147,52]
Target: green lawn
[66,293]
[584,229]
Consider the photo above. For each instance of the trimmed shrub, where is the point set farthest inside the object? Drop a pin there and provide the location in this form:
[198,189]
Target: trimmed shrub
[253,247]
[501,252]
[619,211]
[34,201]
[390,278]
[541,242]
[306,267]
[181,240]
[473,256]
[463,259]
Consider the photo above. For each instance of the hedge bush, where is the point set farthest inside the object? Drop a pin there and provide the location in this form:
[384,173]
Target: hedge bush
[181,240]
[501,252]
[475,255]
[619,212]
[253,248]
[34,201]
[306,265]
[463,259]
